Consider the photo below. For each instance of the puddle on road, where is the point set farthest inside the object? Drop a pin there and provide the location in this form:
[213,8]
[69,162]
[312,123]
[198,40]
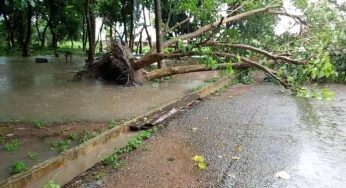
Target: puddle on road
[43,91]
[322,162]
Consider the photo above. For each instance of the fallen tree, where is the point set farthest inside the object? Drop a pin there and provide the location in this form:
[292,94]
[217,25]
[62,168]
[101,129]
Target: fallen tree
[120,66]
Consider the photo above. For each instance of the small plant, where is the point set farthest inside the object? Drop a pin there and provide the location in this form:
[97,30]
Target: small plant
[136,142]
[61,146]
[98,176]
[38,123]
[198,88]
[17,167]
[112,124]
[51,184]
[2,140]
[86,135]
[11,146]
[211,80]
[72,137]
[113,160]
[32,155]
[133,144]
[219,91]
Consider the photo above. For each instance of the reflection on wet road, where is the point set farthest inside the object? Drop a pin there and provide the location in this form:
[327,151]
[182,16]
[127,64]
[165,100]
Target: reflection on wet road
[269,131]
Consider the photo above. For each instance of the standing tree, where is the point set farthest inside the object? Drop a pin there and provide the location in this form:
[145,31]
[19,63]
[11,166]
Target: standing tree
[161,63]
[91,29]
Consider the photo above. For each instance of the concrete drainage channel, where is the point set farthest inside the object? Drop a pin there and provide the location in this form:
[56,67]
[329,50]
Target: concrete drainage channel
[64,167]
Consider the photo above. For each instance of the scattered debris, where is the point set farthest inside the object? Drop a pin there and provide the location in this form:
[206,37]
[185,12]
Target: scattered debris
[170,159]
[235,158]
[10,135]
[239,148]
[282,174]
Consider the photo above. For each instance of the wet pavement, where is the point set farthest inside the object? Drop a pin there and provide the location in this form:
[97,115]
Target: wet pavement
[247,134]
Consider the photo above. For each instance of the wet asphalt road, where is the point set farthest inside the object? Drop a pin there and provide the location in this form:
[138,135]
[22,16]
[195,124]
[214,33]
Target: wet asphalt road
[269,131]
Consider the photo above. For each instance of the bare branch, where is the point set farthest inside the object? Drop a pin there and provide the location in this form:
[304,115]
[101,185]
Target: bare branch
[214,31]
[257,50]
[176,26]
[297,18]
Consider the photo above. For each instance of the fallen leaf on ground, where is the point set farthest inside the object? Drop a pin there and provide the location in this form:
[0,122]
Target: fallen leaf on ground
[198,158]
[282,174]
[200,162]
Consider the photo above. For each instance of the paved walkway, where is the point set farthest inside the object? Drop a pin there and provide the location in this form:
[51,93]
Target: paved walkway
[248,134]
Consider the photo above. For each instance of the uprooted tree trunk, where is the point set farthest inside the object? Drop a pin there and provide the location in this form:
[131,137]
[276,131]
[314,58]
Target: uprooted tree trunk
[119,65]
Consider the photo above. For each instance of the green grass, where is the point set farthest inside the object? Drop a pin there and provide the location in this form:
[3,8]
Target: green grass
[38,123]
[32,155]
[17,167]
[114,159]
[61,146]
[212,80]
[72,137]
[11,146]
[2,140]
[87,135]
[51,184]
[113,123]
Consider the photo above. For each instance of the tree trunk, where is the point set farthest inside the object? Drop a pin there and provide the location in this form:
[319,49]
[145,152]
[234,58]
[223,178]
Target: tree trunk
[84,33]
[27,38]
[53,24]
[131,29]
[91,27]
[161,64]
[111,32]
[8,29]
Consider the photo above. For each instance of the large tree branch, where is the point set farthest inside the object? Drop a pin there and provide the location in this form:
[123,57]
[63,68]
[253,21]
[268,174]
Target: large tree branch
[297,18]
[258,50]
[215,24]
[144,61]
[258,65]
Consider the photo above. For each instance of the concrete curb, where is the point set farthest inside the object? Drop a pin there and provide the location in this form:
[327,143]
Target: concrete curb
[69,164]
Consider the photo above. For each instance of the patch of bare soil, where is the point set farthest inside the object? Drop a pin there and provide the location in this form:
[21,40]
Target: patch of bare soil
[163,161]
[167,164]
